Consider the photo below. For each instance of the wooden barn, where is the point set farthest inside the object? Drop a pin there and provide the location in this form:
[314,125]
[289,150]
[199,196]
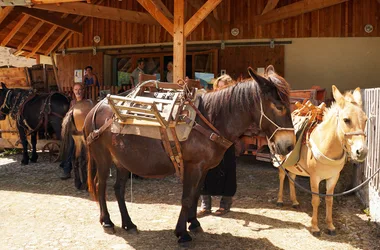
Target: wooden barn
[312,43]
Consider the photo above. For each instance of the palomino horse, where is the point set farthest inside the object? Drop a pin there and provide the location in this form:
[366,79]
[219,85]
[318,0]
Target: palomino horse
[341,133]
[33,113]
[264,100]
[72,129]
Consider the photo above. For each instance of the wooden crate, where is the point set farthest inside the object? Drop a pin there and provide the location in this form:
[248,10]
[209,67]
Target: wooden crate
[15,77]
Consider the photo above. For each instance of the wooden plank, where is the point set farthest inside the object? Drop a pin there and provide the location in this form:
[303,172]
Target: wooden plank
[98,11]
[4,12]
[14,30]
[211,20]
[51,18]
[271,4]
[28,37]
[65,40]
[200,15]
[295,9]
[14,77]
[42,41]
[56,42]
[154,9]
[179,43]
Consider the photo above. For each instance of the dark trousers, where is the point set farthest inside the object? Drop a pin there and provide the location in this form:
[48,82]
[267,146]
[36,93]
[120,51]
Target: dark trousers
[67,164]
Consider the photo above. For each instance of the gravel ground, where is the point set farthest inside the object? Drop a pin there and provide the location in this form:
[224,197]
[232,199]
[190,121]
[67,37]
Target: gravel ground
[40,211]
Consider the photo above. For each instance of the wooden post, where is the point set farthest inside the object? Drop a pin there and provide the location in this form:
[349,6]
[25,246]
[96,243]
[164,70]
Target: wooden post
[179,41]
[52,55]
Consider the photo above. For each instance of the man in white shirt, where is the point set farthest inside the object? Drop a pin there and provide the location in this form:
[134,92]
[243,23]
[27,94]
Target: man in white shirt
[135,74]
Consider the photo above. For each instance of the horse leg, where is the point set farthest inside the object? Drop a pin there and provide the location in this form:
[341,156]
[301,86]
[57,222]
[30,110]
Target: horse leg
[34,147]
[195,226]
[281,176]
[330,186]
[24,142]
[83,167]
[77,179]
[102,176]
[315,201]
[292,190]
[119,187]
[191,179]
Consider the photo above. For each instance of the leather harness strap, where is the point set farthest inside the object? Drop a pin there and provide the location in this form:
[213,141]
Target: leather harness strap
[97,132]
[213,135]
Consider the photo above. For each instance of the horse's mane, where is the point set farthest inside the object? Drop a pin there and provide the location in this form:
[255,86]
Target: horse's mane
[239,96]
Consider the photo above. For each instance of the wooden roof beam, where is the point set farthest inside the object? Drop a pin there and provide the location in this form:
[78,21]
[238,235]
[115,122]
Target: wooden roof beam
[28,37]
[211,20]
[29,2]
[295,9]
[42,41]
[56,42]
[271,4]
[103,12]
[4,12]
[200,15]
[157,11]
[52,19]
[14,30]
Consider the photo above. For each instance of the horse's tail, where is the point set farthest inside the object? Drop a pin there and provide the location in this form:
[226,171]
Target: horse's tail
[66,134]
[91,176]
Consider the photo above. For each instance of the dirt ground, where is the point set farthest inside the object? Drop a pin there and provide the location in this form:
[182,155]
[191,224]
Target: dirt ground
[40,211]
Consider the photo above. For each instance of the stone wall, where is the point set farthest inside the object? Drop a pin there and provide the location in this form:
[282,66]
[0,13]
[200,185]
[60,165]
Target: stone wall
[8,59]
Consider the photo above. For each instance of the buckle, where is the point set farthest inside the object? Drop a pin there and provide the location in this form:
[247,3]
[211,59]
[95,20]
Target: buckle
[213,136]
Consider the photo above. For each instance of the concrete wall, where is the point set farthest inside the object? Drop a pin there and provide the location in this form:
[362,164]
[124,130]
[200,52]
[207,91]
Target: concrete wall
[8,59]
[345,62]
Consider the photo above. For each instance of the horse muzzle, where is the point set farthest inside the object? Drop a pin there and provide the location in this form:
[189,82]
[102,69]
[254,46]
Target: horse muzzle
[359,153]
[284,142]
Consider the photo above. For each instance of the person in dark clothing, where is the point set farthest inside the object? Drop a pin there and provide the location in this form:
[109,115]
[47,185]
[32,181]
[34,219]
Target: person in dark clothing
[221,180]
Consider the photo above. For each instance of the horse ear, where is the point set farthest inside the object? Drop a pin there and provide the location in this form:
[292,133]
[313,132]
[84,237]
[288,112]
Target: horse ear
[259,79]
[357,96]
[338,97]
[269,70]
[3,85]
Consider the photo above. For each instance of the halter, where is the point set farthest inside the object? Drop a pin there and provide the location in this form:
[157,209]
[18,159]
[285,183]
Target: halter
[278,128]
[5,103]
[346,134]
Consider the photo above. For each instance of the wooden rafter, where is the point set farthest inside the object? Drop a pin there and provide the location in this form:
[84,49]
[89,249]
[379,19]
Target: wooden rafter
[52,19]
[200,15]
[295,9]
[271,4]
[210,19]
[65,40]
[84,18]
[84,9]
[4,12]
[158,13]
[56,42]
[14,30]
[27,3]
[42,41]
[28,37]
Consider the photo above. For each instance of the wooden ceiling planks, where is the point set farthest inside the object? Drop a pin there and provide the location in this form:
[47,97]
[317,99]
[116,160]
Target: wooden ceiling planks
[15,29]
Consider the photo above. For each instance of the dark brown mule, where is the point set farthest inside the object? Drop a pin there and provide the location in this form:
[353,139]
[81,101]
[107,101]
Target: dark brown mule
[72,132]
[33,113]
[231,110]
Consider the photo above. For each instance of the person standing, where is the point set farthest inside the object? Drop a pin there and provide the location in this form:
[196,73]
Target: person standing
[221,180]
[135,74]
[66,164]
[169,74]
[90,79]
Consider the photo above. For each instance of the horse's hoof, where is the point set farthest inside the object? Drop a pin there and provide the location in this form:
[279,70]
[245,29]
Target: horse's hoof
[186,238]
[196,230]
[317,234]
[331,232]
[132,230]
[280,204]
[109,228]
[24,162]
[33,161]
[296,206]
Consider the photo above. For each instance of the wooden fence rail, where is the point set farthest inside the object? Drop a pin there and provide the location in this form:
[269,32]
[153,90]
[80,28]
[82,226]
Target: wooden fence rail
[92,92]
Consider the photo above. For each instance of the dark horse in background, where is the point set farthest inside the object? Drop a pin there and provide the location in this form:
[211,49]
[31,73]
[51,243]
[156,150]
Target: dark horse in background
[33,113]
[263,100]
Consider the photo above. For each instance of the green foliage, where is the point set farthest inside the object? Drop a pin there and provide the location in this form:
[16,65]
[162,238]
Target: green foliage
[12,151]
